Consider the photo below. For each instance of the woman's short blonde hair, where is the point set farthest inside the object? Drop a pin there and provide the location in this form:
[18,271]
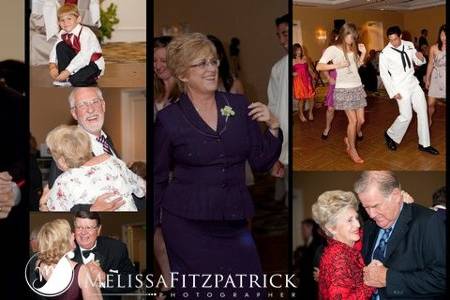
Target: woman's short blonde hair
[71,143]
[329,205]
[183,50]
[54,240]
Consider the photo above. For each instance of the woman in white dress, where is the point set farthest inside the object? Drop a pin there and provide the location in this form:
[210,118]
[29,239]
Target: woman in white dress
[435,77]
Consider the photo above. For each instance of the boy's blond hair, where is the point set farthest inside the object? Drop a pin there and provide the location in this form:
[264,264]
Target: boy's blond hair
[68,9]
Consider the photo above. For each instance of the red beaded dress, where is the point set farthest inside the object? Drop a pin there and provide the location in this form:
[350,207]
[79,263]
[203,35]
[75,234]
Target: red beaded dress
[341,272]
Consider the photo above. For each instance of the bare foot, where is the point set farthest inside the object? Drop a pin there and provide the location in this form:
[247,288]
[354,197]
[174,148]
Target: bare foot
[302,118]
[311,117]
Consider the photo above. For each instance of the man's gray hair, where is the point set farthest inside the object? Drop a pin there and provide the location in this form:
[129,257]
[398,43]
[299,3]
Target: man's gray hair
[74,91]
[386,182]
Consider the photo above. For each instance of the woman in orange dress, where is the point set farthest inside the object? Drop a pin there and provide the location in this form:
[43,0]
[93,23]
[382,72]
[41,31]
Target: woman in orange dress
[303,84]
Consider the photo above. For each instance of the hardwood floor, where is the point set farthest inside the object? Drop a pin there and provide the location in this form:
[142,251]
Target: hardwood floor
[310,152]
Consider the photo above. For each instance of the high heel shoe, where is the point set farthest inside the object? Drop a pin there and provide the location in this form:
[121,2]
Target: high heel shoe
[359,138]
[354,156]
[325,136]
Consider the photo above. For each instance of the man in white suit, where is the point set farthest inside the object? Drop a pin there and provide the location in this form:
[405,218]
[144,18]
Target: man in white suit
[397,73]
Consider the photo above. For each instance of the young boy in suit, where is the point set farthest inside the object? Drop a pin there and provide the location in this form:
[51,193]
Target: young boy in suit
[76,58]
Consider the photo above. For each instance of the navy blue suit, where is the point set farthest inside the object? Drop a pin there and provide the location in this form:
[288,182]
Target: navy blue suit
[415,254]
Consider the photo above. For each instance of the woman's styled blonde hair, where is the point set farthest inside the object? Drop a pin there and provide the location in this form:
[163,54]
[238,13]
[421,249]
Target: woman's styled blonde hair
[329,205]
[54,240]
[183,50]
[71,143]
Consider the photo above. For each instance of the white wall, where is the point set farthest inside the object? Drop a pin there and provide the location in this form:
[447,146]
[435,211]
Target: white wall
[12,28]
[131,26]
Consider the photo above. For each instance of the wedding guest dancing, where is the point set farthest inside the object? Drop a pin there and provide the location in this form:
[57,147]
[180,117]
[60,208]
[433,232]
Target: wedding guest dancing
[86,176]
[341,264]
[205,138]
[397,73]
[55,242]
[435,77]
[303,84]
[349,94]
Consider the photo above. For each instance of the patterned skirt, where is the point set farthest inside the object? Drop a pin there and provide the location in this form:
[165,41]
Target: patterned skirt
[349,98]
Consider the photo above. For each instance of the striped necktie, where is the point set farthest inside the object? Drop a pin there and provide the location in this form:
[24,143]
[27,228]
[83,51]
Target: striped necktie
[380,252]
[106,147]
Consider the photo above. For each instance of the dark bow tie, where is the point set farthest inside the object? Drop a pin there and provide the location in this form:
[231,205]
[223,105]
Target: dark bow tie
[405,57]
[86,253]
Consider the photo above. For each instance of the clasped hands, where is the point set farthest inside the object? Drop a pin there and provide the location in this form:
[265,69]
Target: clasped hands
[374,274]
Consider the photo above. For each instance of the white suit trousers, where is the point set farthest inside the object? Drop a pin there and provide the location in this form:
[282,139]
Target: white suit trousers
[412,99]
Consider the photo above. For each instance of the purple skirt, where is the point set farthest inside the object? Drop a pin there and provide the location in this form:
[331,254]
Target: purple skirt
[211,247]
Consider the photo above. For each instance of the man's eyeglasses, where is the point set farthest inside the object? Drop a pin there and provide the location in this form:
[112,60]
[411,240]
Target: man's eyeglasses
[85,104]
[88,228]
[214,62]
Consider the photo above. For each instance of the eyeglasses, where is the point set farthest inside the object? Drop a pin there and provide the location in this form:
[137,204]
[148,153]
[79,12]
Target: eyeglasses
[85,104]
[88,228]
[214,62]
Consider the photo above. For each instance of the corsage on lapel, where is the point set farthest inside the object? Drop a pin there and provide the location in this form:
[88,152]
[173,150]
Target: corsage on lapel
[227,111]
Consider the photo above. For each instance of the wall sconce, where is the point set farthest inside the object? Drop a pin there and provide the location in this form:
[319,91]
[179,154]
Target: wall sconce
[321,35]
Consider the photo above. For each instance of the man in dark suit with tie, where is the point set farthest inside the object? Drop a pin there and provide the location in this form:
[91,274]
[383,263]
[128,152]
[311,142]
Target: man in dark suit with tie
[88,107]
[106,258]
[404,245]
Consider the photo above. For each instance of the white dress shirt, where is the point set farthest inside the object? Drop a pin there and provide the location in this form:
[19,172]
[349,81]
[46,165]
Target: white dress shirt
[278,94]
[88,45]
[91,256]
[97,147]
[395,76]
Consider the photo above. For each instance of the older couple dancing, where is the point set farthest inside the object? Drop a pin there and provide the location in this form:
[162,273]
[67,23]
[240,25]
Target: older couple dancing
[86,166]
[400,251]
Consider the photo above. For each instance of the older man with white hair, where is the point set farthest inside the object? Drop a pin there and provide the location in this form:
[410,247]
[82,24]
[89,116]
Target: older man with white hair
[88,107]
[404,245]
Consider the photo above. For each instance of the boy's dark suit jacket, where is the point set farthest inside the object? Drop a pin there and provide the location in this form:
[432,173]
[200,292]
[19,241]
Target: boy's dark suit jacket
[14,154]
[114,260]
[415,254]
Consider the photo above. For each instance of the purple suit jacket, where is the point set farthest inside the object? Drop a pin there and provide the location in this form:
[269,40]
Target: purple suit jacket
[208,167]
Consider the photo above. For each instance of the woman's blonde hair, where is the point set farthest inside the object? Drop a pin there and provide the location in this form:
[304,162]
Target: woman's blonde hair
[184,49]
[346,29]
[329,205]
[54,240]
[71,143]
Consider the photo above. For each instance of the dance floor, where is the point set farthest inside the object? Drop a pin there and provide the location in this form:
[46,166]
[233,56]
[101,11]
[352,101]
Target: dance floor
[125,67]
[310,152]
